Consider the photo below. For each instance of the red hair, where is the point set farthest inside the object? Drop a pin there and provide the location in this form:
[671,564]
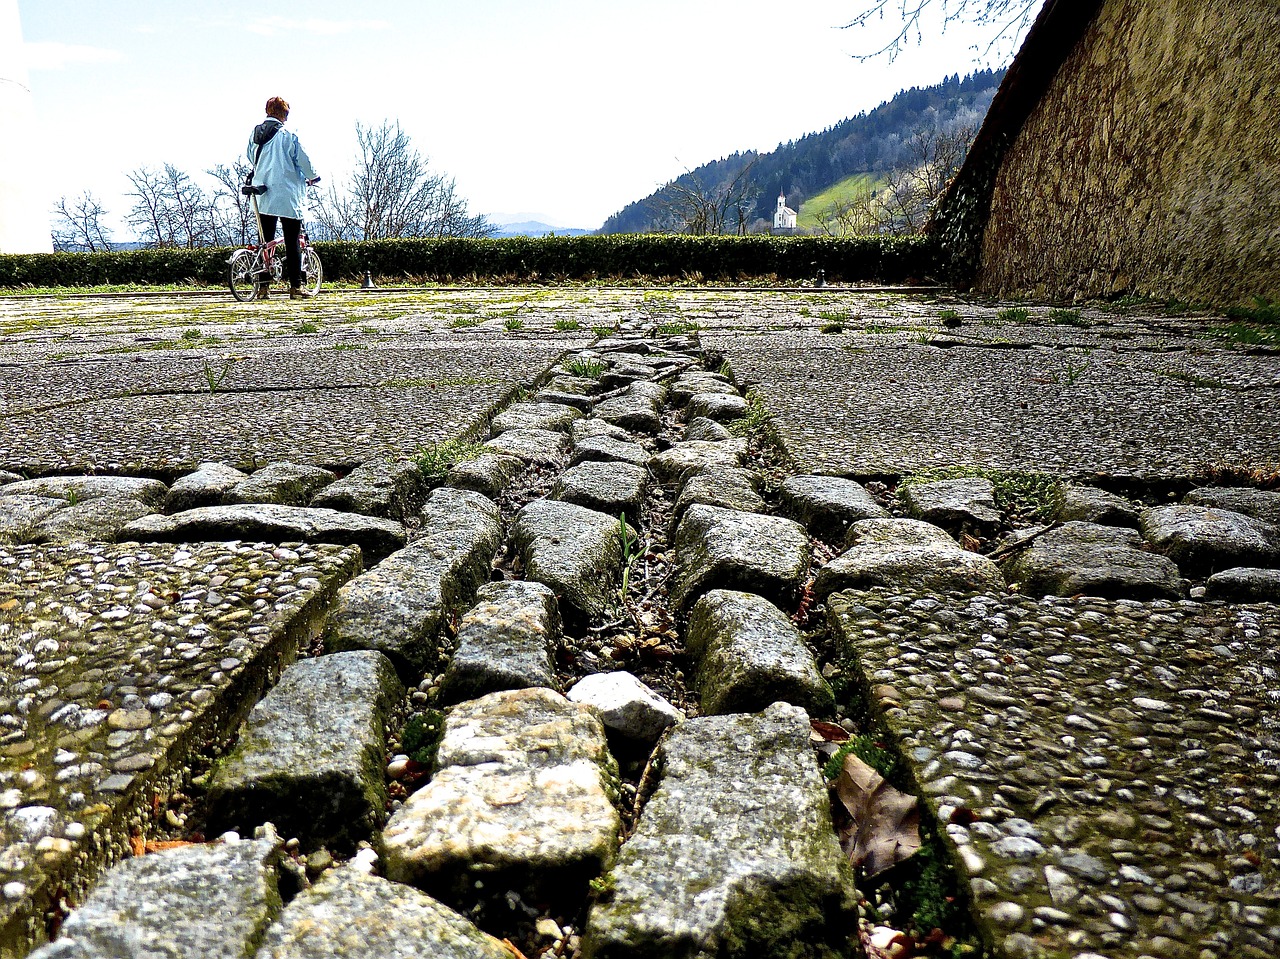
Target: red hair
[278,107]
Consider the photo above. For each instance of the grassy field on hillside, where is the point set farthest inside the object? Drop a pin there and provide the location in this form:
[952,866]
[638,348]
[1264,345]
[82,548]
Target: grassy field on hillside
[843,191]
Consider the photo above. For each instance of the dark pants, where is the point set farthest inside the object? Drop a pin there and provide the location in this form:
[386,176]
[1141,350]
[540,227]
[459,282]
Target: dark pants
[292,258]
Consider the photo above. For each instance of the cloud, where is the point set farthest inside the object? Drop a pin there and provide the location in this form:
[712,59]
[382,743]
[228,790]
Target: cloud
[275,26]
[51,55]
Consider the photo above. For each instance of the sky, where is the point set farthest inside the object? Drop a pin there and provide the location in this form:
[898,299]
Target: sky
[558,110]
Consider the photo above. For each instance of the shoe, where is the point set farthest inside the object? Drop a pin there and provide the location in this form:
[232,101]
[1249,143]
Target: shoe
[298,293]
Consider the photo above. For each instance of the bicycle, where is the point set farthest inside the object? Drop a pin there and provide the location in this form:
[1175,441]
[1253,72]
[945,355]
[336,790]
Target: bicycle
[253,269]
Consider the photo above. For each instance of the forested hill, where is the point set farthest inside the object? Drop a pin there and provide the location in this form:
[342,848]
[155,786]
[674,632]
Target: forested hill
[872,143]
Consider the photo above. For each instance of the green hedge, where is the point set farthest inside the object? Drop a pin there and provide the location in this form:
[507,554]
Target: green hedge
[519,259]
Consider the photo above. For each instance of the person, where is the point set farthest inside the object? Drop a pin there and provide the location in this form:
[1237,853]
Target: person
[283,167]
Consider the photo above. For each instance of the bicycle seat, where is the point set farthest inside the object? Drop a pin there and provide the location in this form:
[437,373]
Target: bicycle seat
[252,190]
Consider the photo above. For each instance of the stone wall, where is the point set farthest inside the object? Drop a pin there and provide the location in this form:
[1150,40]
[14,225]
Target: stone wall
[1152,163]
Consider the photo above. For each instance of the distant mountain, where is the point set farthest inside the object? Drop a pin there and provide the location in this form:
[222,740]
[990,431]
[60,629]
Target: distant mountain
[869,143]
[536,228]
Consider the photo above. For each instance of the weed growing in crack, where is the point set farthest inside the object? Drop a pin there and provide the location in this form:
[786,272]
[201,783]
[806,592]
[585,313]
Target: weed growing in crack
[757,422]
[602,330]
[1014,314]
[1068,318]
[630,543]
[677,328]
[214,379]
[513,323]
[437,459]
[585,367]
[1017,492]
[831,328]
[306,327]
[564,324]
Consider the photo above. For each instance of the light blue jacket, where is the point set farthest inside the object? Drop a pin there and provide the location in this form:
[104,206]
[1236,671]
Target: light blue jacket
[284,169]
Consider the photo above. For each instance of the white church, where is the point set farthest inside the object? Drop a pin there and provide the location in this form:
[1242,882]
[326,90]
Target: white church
[784,218]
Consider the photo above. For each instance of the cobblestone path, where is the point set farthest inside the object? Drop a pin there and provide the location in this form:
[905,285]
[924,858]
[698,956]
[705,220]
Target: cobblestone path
[285,673]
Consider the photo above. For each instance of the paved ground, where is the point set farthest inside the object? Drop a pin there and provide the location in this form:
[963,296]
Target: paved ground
[1172,707]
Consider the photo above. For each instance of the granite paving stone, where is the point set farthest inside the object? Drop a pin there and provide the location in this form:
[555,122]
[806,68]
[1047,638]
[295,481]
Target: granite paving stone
[77,489]
[489,474]
[828,505]
[207,485]
[957,505]
[1206,539]
[98,519]
[523,798]
[606,487]
[190,903]
[1260,504]
[377,538]
[748,654]
[730,488]
[608,449]
[312,754]
[285,484]
[1095,560]
[1088,504]
[675,465]
[392,488]
[1104,769]
[734,854]
[352,913]
[574,550]
[1245,585]
[20,514]
[507,640]
[701,428]
[540,447]
[626,705]
[400,606]
[728,549]
[534,416]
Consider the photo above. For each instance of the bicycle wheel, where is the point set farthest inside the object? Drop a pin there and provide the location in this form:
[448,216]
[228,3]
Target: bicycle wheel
[240,275]
[312,271]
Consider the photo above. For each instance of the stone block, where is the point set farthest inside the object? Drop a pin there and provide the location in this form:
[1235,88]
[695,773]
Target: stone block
[608,449]
[399,606]
[489,474]
[611,488]
[270,523]
[350,913]
[719,407]
[748,654]
[523,799]
[728,549]
[734,854]
[535,416]
[312,756]
[506,641]
[959,505]
[674,466]
[828,505]
[906,554]
[701,428]
[207,486]
[626,705]
[1094,560]
[195,902]
[730,488]
[1088,504]
[284,484]
[77,489]
[574,550]
[1245,585]
[95,520]
[1260,504]
[539,447]
[1205,539]
[390,488]
[20,514]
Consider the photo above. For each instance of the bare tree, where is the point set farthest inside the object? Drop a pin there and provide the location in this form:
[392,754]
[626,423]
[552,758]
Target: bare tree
[1006,19]
[79,224]
[169,208]
[904,204]
[700,209]
[231,210]
[393,192]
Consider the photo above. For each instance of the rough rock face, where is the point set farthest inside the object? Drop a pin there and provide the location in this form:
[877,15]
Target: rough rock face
[1203,539]
[828,505]
[207,486]
[676,465]
[187,903]
[611,488]
[535,416]
[701,428]
[966,504]
[688,385]
[349,913]
[398,606]
[574,550]
[734,854]
[506,641]
[748,655]
[285,484]
[523,798]
[720,407]
[1245,585]
[20,514]
[77,489]
[1088,504]
[391,488]
[724,548]
[1260,504]
[311,758]
[608,449]
[273,524]
[637,408]
[909,554]
[1094,560]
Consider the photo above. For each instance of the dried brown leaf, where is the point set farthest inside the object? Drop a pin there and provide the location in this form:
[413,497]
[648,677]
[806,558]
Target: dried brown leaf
[886,823]
[827,732]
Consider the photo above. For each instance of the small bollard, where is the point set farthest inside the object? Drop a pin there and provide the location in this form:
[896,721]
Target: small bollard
[822,278]
[368,281]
